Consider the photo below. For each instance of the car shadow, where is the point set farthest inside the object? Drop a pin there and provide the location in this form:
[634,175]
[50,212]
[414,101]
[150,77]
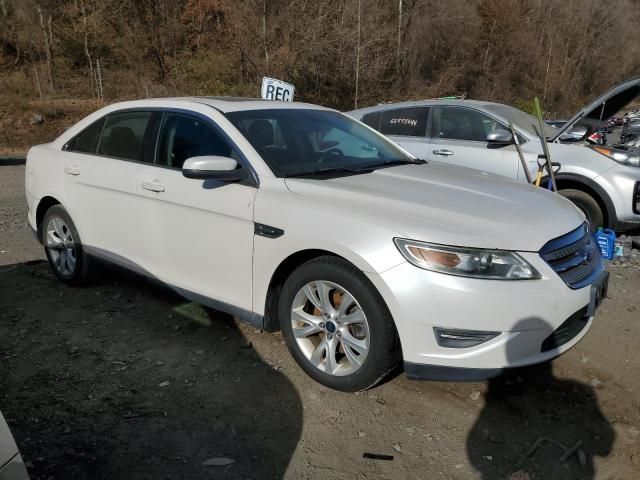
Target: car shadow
[536,425]
[125,379]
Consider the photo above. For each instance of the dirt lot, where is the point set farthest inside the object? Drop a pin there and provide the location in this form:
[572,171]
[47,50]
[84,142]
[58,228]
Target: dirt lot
[124,380]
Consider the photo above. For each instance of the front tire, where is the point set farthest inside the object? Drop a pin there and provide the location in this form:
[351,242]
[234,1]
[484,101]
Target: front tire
[337,326]
[63,248]
[587,204]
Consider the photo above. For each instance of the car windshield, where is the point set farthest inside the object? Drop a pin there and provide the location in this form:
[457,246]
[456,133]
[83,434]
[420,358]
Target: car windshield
[521,119]
[299,142]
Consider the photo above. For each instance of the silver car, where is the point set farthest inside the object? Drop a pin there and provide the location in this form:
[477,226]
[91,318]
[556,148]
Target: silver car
[11,465]
[604,182]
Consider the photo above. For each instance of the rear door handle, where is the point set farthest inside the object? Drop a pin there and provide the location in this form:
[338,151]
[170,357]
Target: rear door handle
[446,153]
[72,171]
[153,187]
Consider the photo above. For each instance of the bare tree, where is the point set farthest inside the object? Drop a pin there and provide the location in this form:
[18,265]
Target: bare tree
[48,38]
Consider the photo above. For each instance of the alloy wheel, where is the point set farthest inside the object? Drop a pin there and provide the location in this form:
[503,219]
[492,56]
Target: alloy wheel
[61,246]
[330,328]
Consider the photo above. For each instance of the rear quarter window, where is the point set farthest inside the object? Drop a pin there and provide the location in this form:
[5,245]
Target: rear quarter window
[405,122]
[372,119]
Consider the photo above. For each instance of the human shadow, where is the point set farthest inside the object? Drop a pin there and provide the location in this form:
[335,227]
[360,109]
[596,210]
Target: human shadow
[535,425]
[125,379]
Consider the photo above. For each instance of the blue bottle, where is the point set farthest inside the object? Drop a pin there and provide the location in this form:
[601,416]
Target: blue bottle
[606,240]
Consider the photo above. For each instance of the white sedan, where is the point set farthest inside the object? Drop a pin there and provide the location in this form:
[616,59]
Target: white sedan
[12,466]
[296,217]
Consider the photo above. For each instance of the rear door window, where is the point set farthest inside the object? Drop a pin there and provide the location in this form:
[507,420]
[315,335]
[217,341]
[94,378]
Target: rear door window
[123,135]
[455,123]
[405,122]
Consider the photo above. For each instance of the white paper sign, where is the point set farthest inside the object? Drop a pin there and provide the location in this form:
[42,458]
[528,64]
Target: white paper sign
[274,89]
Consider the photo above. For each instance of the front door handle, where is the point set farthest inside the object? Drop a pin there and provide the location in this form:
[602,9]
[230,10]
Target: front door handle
[446,153]
[153,187]
[72,171]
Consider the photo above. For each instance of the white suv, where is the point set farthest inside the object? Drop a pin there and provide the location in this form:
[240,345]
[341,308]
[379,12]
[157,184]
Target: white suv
[296,217]
[604,182]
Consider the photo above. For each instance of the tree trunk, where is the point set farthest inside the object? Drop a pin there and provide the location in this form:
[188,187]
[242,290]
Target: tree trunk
[87,53]
[546,75]
[47,48]
[35,69]
[355,102]
[399,36]
[264,36]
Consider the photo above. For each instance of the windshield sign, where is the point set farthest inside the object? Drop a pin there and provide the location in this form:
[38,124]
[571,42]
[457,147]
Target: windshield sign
[274,89]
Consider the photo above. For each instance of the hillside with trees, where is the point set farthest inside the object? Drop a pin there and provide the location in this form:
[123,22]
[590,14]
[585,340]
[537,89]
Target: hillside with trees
[60,59]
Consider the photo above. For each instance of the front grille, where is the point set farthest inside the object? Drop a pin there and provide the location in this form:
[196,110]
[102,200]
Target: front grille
[575,257]
[636,198]
[571,327]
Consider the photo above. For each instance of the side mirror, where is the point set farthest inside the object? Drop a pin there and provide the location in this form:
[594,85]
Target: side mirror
[574,134]
[213,167]
[500,137]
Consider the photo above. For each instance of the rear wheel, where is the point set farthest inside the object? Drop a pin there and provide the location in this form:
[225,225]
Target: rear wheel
[337,326]
[587,204]
[63,247]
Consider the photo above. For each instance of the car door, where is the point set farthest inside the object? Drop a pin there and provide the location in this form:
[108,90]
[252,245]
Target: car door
[459,137]
[406,126]
[199,233]
[100,170]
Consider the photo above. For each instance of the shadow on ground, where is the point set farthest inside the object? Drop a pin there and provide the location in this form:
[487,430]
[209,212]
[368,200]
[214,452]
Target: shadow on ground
[558,422]
[127,380]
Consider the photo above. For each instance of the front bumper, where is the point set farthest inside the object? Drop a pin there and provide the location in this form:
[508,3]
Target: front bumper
[526,312]
[622,184]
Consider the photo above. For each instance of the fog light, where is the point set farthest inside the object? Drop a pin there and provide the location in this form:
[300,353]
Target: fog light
[454,338]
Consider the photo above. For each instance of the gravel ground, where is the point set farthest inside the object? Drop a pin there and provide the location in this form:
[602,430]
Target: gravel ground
[125,380]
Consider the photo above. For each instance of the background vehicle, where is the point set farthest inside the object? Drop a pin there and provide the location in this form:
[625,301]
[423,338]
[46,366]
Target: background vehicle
[556,123]
[297,217]
[630,131]
[604,182]
[11,465]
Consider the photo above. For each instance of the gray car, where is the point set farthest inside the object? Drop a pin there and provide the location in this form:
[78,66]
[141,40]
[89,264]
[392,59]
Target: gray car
[604,182]
[11,465]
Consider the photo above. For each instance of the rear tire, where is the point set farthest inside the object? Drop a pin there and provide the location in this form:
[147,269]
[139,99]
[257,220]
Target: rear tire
[349,348]
[64,249]
[587,204]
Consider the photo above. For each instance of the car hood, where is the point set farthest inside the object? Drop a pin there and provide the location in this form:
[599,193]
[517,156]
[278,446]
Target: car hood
[605,106]
[448,205]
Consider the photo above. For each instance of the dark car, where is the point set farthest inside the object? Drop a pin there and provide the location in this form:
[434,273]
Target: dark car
[617,121]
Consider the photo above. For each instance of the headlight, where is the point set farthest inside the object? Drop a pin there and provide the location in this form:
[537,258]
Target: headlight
[467,262]
[619,156]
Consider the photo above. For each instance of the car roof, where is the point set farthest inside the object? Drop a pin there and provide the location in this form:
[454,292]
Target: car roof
[425,102]
[223,104]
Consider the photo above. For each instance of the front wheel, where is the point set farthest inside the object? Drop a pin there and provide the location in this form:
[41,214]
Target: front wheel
[587,204]
[63,248]
[337,326]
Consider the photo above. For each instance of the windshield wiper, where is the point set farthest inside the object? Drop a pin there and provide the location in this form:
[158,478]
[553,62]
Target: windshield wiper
[398,161]
[329,171]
